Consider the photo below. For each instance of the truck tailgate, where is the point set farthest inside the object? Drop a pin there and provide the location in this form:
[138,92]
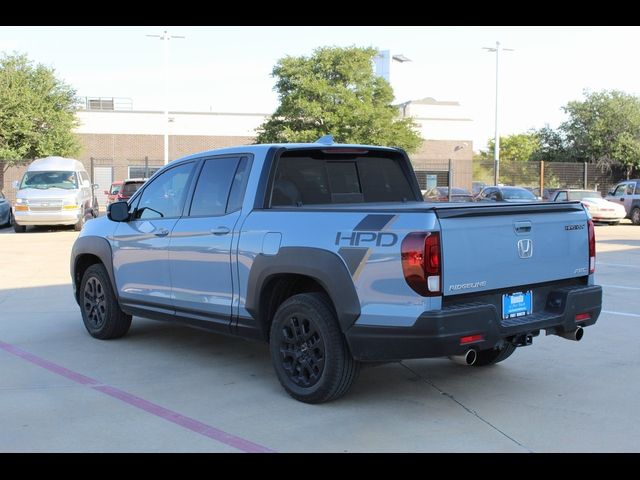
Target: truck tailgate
[507,245]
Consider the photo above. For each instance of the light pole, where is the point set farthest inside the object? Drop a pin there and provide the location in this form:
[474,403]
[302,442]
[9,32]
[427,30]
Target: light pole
[165,37]
[496,149]
[450,177]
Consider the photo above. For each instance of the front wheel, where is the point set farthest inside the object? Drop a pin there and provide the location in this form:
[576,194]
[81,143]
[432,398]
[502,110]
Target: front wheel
[101,313]
[635,216]
[19,228]
[308,350]
[494,355]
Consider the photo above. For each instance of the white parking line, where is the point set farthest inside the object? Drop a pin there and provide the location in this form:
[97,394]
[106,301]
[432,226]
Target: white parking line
[620,286]
[621,313]
[616,265]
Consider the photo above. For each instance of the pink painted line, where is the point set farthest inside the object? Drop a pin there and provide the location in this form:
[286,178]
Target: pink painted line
[47,365]
[186,422]
[149,407]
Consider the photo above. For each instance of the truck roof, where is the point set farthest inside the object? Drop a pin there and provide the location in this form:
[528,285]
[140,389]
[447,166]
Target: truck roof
[262,148]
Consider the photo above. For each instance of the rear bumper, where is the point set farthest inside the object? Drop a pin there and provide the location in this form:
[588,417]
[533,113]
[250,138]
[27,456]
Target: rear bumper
[437,333]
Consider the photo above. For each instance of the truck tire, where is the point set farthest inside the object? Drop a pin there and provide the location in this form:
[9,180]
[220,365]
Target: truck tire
[101,313]
[494,355]
[635,216]
[308,350]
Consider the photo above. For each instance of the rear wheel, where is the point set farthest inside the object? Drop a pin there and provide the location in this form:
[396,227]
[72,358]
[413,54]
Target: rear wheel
[308,350]
[101,313]
[494,355]
[635,216]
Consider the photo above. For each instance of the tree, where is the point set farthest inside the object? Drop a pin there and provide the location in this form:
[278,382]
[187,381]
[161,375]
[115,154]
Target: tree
[334,91]
[37,113]
[554,146]
[604,128]
[513,148]
[515,152]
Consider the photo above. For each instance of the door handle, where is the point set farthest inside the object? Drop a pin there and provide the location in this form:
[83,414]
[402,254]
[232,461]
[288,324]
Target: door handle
[622,199]
[161,233]
[220,231]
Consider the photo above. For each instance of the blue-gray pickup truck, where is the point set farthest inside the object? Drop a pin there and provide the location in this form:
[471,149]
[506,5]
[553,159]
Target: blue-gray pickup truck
[328,253]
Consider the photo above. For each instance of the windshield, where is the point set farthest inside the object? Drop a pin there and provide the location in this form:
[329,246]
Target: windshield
[518,193]
[50,179]
[131,188]
[583,194]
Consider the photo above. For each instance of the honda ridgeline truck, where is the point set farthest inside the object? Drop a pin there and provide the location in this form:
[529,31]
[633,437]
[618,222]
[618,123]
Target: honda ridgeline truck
[329,253]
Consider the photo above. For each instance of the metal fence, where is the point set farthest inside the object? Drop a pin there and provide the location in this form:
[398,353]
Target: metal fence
[430,173]
[550,175]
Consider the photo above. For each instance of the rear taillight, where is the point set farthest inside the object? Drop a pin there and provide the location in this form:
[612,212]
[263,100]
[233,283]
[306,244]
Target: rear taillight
[592,246]
[422,263]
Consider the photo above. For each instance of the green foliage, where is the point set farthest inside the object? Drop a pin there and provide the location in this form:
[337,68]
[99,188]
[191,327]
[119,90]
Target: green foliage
[513,148]
[554,146]
[37,113]
[604,128]
[334,91]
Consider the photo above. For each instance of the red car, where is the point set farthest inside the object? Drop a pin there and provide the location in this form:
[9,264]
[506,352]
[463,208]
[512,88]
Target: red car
[123,189]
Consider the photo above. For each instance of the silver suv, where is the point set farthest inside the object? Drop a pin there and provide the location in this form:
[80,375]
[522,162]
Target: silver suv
[627,193]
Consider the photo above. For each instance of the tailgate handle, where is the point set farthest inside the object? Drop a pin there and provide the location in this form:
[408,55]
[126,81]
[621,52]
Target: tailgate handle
[522,227]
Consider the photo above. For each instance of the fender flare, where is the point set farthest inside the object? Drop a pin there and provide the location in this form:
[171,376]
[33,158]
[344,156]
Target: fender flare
[92,245]
[323,266]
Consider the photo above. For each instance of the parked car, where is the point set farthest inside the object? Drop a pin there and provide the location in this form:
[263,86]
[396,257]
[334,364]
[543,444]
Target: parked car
[329,253]
[505,194]
[601,210]
[123,189]
[627,193]
[441,194]
[547,193]
[54,191]
[476,187]
[5,211]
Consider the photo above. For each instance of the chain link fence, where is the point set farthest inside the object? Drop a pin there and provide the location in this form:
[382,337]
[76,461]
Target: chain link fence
[549,175]
[430,173]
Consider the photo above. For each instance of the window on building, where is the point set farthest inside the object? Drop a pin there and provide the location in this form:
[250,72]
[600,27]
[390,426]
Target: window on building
[140,171]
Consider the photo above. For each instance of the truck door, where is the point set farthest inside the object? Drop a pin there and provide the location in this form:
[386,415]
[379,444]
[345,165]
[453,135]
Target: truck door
[200,251]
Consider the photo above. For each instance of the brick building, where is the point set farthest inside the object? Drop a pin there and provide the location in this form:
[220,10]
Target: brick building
[118,144]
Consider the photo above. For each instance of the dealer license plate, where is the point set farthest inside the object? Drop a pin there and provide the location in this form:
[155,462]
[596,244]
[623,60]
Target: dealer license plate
[517,304]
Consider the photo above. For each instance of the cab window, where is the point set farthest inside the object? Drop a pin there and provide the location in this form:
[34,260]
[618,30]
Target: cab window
[164,196]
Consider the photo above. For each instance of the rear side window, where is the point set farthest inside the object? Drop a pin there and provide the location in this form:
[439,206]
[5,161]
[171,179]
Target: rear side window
[214,183]
[317,178]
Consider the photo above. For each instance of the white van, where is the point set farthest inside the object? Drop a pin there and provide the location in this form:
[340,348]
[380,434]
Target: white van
[54,191]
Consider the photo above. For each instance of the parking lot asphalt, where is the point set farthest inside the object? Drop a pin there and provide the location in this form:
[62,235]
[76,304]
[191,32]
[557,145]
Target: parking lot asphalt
[166,387]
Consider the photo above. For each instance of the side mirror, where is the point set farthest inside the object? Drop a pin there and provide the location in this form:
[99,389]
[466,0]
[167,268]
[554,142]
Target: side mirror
[15,184]
[610,192]
[106,192]
[95,186]
[118,212]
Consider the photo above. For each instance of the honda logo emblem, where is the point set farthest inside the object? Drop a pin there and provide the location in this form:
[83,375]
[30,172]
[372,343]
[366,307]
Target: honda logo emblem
[525,248]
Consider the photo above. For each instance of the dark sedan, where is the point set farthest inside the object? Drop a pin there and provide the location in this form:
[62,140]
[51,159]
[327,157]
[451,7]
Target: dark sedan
[441,194]
[5,211]
[506,194]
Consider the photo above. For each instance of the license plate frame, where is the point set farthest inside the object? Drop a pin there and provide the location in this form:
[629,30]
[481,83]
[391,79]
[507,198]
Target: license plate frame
[517,304]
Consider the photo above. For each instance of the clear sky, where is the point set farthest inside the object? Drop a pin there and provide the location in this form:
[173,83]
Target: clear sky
[227,69]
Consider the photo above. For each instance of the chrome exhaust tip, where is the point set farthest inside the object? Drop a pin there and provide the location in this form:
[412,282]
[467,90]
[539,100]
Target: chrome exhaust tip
[468,358]
[576,335]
